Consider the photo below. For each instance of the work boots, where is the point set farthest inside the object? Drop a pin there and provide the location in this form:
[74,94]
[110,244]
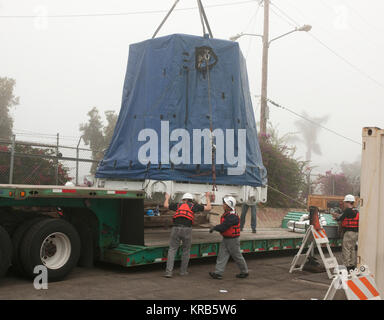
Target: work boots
[216,276]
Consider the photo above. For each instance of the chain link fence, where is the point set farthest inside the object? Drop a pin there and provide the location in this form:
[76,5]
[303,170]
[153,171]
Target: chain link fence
[25,162]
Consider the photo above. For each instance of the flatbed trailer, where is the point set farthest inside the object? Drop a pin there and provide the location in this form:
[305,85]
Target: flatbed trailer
[110,225]
[204,244]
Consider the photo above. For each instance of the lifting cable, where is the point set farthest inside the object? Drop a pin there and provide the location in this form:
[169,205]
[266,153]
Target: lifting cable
[165,19]
[287,196]
[203,18]
[207,57]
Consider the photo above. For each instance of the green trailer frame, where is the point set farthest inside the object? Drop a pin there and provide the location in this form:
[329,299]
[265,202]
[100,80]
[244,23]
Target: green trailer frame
[129,255]
[112,210]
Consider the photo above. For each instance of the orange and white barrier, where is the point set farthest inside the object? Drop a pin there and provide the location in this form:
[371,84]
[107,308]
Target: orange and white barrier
[359,284]
[319,234]
[314,238]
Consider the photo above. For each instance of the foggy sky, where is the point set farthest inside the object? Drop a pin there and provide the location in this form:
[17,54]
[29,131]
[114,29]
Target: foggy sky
[65,66]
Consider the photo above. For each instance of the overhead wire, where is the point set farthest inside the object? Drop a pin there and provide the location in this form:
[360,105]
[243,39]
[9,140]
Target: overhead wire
[357,31]
[362,18]
[82,15]
[294,23]
[311,121]
[254,20]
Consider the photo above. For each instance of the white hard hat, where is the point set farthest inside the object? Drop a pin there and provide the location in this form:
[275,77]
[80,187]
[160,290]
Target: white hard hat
[349,198]
[230,202]
[187,196]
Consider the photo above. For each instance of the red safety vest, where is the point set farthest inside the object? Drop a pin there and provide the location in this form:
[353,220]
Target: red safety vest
[351,223]
[184,210]
[233,231]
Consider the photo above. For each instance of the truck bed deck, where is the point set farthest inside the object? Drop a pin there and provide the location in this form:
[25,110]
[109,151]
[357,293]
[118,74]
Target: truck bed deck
[160,237]
[204,244]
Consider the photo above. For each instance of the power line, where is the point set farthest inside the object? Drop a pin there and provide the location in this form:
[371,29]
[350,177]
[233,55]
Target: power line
[293,21]
[353,66]
[356,68]
[366,21]
[357,30]
[254,19]
[254,15]
[313,122]
[85,15]
[283,18]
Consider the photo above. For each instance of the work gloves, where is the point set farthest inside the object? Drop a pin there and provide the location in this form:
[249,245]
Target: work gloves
[212,229]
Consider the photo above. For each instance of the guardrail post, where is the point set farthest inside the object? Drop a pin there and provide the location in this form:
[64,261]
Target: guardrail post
[57,162]
[77,161]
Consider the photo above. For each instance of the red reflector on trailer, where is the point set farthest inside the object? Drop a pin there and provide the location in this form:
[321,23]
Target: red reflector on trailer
[160,259]
[117,192]
[64,190]
[69,190]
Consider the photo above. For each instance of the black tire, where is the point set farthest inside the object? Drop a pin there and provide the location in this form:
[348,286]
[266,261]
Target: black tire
[5,251]
[34,239]
[17,238]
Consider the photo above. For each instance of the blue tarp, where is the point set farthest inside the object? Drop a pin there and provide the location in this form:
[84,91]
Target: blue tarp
[164,85]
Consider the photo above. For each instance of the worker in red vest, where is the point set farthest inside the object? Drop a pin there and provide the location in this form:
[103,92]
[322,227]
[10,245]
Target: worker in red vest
[229,228]
[182,229]
[350,227]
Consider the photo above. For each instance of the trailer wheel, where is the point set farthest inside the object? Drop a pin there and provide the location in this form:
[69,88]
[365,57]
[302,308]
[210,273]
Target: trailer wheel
[16,242]
[5,251]
[53,243]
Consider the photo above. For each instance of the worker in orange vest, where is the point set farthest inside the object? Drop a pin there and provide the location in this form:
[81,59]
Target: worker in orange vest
[182,229]
[229,228]
[350,227]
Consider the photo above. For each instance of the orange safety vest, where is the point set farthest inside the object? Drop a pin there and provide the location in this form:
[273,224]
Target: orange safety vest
[233,231]
[351,222]
[184,210]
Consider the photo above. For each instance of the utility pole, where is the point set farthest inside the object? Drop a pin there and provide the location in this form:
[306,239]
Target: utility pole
[264,76]
[264,69]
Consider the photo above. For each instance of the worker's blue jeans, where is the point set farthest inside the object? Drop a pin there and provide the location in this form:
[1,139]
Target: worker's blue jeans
[244,211]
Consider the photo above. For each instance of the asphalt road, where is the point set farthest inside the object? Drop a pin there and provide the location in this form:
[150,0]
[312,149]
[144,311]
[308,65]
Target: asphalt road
[269,279]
